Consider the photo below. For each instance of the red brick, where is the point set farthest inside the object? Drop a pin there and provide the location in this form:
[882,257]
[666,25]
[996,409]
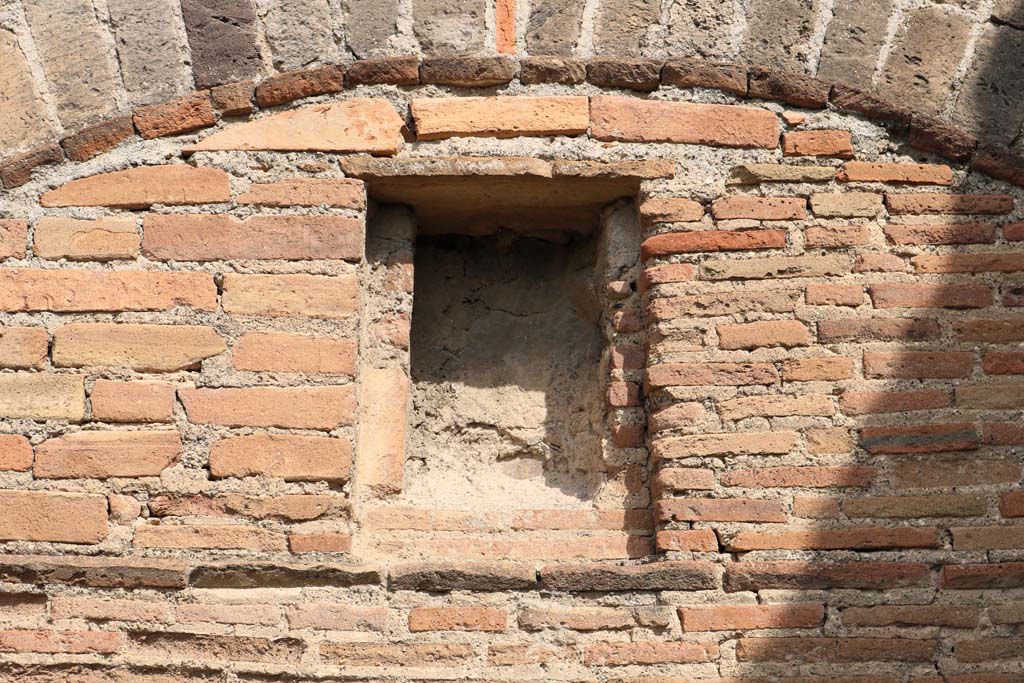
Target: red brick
[751,617]
[233,99]
[695,540]
[928,203]
[458,619]
[102,455]
[719,510]
[876,172]
[23,348]
[594,618]
[623,394]
[628,436]
[92,290]
[286,352]
[1011,504]
[846,204]
[835,295]
[208,536]
[878,329]
[499,117]
[1013,296]
[775,405]
[989,649]
[942,233]
[140,187]
[988,538]
[684,479]
[879,263]
[318,407]
[818,143]
[646,653]
[816,507]
[17,171]
[94,572]
[760,208]
[632,120]
[866,538]
[990,331]
[670,243]
[874,402]
[132,401]
[181,115]
[61,642]
[286,87]
[13,238]
[918,364]
[932,474]
[164,646]
[995,262]
[1014,232]
[817,369]
[958,616]
[667,274]
[98,138]
[913,507]
[804,575]
[810,477]
[1003,363]
[696,304]
[256,615]
[59,517]
[828,440]
[320,542]
[1002,434]
[983,576]
[194,237]
[15,453]
[384,71]
[845,649]
[290,457]
[655,210]
[787,333]
[835,236]
[929,438]
[732,443]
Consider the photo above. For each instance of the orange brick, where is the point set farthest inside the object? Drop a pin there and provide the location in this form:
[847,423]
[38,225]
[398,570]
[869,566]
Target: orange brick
[818,143]
[146,348]
[941,233]
[930,202]
[114,237]
[320,542]
[695,540]
[101,455]
[97,609]
[646,653]
[787,333]
[23,348]
[918,364]
[208,536]
[667,274]
[346,193]
[315,296]
[874,402]
[846,204]
[817,369]
[285,352]
[59,517]
[760,208]
[828,440]
[290,457]
[739,443]
[815,507]
[286,407]
[719,510]
[877,172]
[710,241]
[684,479]
[499,117]
[775,405]
[197,237]
[994,262]
[132,401]
[824,476]
[870,538]
[922,295]
[835,295]
[594,618]
[655,210]
[61,642]
[457,619]
[143,186]
[628,119]
[94,290]
[13,238]
[751,617]
[15,453]
[835,236]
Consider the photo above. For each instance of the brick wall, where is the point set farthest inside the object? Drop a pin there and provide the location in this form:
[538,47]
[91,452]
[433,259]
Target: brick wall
[813,463]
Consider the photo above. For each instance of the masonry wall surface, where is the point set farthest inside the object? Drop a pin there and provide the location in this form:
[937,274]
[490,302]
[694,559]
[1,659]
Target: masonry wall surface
[811,448]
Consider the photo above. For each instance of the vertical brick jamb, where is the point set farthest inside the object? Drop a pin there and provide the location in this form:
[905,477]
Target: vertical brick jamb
[386,316]
[505,26]
[618,272]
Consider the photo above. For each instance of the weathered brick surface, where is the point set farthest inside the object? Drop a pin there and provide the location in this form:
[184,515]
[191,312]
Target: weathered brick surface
[315,296]
[182,115]
[301,407]
[147,348]
[101,455]
[292,458]
[138,188]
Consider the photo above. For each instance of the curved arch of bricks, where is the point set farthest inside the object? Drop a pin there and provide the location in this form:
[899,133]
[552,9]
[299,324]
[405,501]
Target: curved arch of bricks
[813,388]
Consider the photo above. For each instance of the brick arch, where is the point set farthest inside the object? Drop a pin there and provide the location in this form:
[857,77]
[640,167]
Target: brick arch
[830,376]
